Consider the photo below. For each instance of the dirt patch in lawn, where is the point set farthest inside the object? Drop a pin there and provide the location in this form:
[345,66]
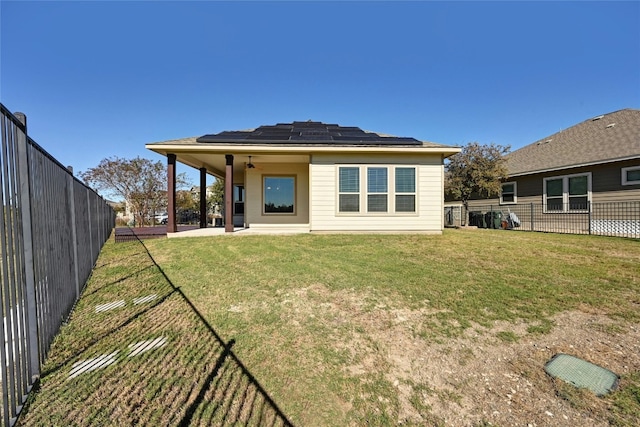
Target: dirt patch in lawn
[480,378]
[488,375]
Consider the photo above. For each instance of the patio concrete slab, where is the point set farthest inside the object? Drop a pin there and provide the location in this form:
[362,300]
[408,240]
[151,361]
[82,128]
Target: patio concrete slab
[219,231]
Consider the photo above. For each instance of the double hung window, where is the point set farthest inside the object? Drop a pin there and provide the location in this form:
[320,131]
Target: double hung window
[569,193]
[377,189]
[349,189]
[508,193]
[405,189]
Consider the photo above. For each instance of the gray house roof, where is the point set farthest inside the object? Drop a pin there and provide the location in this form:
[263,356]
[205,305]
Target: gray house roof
[602,139]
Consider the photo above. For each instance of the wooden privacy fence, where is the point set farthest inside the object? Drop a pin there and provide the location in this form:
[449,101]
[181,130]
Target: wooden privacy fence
[52,230]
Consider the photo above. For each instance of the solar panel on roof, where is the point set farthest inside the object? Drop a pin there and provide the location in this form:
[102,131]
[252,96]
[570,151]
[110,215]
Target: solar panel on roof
[311,138]
[353,138]
[352,133]
[272,137]
[279,132]
[311,131]
[314,132]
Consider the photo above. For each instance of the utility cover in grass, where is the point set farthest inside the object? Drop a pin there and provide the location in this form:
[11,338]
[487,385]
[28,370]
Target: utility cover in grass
[582,374]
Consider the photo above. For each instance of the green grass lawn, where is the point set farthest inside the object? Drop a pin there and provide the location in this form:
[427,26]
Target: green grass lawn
[318,330]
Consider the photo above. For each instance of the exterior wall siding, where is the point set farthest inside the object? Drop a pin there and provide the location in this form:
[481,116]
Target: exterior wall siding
[254,197]
[608,177]
[324,191]
[629,195]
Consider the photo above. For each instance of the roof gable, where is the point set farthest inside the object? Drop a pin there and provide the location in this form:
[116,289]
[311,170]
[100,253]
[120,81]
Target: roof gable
[609,137]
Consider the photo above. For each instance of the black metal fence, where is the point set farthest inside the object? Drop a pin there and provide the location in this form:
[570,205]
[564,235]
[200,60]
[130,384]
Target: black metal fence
[621,219]
[51,233]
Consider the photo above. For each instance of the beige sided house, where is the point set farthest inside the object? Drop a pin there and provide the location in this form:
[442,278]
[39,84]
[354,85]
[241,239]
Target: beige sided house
[317,177]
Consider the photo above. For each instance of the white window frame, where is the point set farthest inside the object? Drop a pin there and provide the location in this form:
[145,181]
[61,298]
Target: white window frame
[386,193]
[565,192]
[363,192]
[349,193]
[413,193]
[624,175]
[515,193]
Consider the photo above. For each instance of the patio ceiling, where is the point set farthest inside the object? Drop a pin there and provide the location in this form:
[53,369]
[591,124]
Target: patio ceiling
[203,155]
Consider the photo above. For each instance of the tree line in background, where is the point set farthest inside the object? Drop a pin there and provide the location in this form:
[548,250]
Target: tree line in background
[477,171]
[142,184]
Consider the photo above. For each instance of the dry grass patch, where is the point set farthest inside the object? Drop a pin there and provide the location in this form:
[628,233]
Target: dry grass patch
[167,365]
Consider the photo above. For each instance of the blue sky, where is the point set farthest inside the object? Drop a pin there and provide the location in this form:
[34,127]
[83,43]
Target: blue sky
[101,79]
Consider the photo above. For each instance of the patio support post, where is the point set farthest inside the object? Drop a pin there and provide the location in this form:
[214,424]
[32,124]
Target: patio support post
[228,195]
[171,193]
[203,198]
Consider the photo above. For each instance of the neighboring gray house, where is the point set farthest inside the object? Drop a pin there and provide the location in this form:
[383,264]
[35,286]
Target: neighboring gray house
[574,171]
[595,161]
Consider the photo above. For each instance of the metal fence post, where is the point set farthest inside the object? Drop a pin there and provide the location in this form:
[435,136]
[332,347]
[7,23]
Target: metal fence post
[531,213]
[589,212]
[74,233]
[27,236]
[90,223]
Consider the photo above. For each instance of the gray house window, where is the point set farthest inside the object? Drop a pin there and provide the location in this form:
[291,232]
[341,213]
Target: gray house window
[555,194]
[508,193]
[631,175]
[569,193]
[578,192]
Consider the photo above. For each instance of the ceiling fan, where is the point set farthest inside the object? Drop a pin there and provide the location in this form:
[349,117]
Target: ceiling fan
[250,165]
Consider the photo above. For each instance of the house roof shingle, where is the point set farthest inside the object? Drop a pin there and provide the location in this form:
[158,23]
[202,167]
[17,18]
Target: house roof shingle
[609,137]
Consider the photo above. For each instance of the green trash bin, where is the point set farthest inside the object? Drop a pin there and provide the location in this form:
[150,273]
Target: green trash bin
[493,219]
[497,220]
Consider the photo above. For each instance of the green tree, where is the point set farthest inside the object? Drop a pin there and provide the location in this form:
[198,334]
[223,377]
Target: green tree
[188,200]
[215,195]
[188,204]
[477,170]
[141,182]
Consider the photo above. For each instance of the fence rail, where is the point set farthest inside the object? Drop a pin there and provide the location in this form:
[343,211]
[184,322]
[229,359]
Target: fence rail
[620,219]
[51,233]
